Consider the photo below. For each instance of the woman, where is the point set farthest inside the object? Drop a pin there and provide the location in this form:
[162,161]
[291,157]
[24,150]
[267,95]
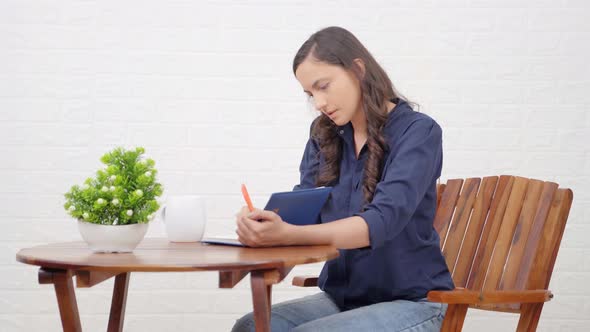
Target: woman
[382,159]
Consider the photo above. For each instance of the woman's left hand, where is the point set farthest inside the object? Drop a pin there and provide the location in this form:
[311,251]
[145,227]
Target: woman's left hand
[261,228]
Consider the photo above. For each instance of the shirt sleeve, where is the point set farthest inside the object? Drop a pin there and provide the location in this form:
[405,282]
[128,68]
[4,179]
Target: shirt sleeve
[412,169]
[310,163]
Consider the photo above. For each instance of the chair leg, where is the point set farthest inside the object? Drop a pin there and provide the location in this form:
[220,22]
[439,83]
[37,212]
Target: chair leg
[118,303]
[454,318]
[529,317]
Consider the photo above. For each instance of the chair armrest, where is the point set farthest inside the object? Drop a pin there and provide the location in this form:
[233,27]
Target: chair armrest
[305,281]
[464,296]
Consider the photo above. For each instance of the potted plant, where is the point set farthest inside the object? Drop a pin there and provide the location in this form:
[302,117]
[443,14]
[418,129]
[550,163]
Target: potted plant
[114,208]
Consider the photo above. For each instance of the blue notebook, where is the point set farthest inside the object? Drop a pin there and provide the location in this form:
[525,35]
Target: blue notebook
[299,207]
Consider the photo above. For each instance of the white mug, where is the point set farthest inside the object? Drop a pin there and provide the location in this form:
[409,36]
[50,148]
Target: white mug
[184,217]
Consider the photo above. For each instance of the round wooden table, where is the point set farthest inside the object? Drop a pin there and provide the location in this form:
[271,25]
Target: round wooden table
[60,262]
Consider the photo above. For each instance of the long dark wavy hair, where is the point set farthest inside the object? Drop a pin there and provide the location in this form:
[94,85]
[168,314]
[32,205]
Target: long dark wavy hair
[338,46]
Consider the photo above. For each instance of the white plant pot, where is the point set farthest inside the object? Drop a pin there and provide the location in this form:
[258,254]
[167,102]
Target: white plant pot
[112,238]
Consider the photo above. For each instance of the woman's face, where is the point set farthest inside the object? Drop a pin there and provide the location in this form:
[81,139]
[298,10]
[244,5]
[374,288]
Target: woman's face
[334,91]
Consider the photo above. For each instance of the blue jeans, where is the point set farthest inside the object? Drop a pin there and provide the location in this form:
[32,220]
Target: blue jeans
[319,313]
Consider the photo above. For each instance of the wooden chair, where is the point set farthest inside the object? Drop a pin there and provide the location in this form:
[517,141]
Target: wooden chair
[499,237]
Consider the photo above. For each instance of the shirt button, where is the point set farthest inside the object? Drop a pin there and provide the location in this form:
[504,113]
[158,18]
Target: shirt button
[341,132]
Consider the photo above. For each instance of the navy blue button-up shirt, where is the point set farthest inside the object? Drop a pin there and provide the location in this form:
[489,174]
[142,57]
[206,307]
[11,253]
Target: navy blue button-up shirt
[403,260]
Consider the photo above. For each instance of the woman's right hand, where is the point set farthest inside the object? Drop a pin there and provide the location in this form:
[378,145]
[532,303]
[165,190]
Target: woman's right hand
[242,213]
[261,228]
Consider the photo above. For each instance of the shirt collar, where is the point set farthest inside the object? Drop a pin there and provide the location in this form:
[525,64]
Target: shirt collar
[346,131]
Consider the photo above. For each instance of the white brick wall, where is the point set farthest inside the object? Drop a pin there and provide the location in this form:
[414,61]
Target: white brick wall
[207,88]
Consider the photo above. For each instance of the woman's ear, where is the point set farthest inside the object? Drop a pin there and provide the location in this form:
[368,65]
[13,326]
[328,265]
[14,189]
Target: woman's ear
[360,64]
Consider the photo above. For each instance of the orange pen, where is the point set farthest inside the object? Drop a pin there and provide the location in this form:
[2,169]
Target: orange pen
[247,198]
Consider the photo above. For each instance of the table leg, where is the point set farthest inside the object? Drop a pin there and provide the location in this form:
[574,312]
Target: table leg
[261,299]
[66,297]
[116,318]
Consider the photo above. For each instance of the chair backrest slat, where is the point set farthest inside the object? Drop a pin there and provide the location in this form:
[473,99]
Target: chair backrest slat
[506,232]
[485,247]
[547,247]
[456,230]
[439,190]
[446,207]
[474,230]
[521,234]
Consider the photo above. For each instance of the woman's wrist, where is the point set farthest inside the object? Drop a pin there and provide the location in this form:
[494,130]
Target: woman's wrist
[306,235]
[291,234]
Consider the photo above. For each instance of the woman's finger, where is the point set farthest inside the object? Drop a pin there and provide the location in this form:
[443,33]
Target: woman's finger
[243,211]
[243,240]
[253,226]
[243,228]
[263,214]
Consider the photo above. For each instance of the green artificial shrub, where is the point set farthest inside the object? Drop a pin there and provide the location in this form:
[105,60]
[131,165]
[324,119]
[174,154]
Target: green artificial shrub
[122,193]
